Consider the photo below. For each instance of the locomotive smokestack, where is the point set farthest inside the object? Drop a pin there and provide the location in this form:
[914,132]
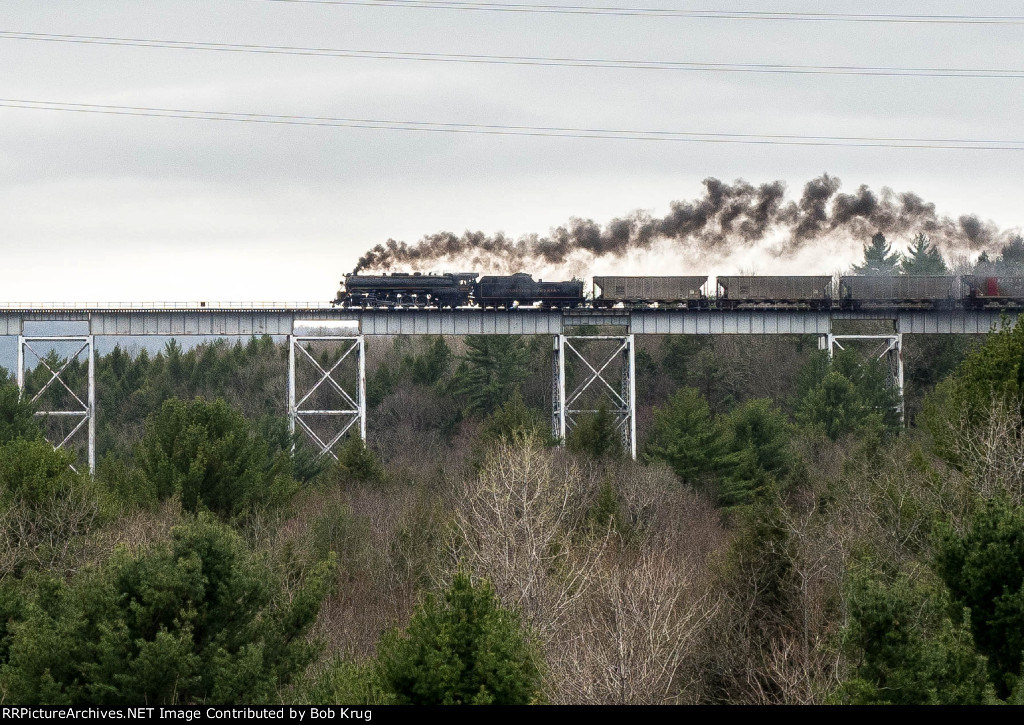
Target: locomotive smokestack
[727,218]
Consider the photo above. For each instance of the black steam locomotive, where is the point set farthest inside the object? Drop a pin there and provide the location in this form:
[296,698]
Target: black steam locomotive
[851,292]
[456,290]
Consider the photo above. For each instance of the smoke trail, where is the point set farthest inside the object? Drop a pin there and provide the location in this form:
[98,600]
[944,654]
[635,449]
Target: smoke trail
[727,218]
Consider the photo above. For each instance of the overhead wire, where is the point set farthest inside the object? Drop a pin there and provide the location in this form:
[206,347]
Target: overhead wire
[618,63]
[512,130]
[790,16]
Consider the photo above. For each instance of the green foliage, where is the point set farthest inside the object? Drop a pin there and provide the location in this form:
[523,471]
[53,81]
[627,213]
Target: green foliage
[208,454]
[922,257]
[606,512]
[462,649]
[126,481]
[381,383]
[685,436]
[984,570]
[835,407]
[906,649]
[993,373]
[34,474]
[358,463]
[756,451]
[1009,262]
[16,415]
[677,353]
[846,395]
[344,682]
[46,507]
[494,367]
[877,257]
[249,375]
[596,435]
[428,368]
[303,464]
[513,419]
[195,620]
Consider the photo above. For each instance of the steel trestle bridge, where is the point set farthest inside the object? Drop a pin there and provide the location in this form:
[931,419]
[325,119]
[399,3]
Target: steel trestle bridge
[598,343]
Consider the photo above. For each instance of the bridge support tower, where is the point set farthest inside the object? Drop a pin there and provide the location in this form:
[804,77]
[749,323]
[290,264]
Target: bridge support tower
[887,347]
[67,404]
[591,372]
[327,388]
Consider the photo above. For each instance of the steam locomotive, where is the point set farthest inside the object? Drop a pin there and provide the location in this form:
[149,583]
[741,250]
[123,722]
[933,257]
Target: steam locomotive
[818,292]
[456,290]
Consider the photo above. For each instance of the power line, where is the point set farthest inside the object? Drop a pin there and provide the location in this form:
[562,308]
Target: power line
[692,66]
[508,130]
[671,12]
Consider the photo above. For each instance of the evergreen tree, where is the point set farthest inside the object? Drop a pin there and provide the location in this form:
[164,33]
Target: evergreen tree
[685,436]
[495,366]
[16,415]
[357,462]
[208,454]
[1011,260]
[993,372]
[985,573]
[464,649]
[596,435]
[835,407]
[906,650]
[196,620]
[428,368]
[756,440]
[514,419]
[879,259]
[922,257]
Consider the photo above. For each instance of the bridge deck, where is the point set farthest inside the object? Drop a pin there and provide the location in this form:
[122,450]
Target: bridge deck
[224,319]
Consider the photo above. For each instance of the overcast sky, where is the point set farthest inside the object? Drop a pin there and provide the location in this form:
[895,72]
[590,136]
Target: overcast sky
[106,207]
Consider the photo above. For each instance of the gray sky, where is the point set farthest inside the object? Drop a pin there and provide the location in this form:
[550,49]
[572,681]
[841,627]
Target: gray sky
[104,208]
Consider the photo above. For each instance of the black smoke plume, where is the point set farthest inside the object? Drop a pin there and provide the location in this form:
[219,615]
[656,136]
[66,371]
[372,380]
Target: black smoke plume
[726,219]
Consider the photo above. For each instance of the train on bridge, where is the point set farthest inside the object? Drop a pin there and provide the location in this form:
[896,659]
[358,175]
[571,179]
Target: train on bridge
[804,292]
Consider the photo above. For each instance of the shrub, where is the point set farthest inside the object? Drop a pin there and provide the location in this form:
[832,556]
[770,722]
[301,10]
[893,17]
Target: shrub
[195,620]
[462,649]
[208,454]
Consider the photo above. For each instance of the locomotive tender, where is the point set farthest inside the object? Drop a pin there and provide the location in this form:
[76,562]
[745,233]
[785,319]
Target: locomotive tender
[853,292]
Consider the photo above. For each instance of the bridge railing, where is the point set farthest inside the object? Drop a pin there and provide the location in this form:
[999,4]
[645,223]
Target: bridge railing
[169,305]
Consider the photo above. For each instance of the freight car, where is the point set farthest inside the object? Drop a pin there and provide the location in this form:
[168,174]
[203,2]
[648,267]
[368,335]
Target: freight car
[682,291]
[749,291]
[980,291]
[928,291]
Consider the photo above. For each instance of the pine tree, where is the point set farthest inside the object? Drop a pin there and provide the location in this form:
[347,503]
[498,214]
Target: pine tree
[16,416]
[596,435]
[199,619]
[1011,261]
[461,649]
[922,257]
[906,650]
[207,453]
[985,573]
[685,436]
[879,259]
[494,367]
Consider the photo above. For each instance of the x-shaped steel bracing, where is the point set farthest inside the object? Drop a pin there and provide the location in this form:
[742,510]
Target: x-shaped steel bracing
[85,411]
[565,412]
[349,416]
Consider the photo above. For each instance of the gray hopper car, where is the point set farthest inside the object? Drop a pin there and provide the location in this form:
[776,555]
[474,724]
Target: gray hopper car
[687,291]
[812,291]
[981,291]
[929,289]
